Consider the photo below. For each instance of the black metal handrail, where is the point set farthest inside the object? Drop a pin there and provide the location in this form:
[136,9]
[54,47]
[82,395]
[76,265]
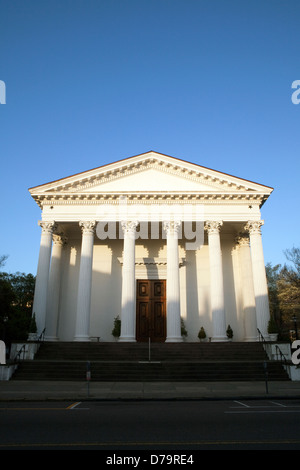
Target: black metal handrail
[277,348]
[281,354]
[42,336]
[261,337]
[17,357]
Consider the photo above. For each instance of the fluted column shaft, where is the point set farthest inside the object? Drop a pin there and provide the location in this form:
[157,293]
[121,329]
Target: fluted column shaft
[216,281]
[247,288]
[259,277]
[54,289]
[42,277]
[85,282]
[128,313]
[173,283]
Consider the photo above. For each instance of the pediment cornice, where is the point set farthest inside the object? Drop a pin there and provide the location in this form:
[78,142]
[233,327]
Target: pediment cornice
[135,168]
[91,187]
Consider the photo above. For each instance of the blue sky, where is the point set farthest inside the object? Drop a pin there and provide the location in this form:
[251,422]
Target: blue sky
[90,82]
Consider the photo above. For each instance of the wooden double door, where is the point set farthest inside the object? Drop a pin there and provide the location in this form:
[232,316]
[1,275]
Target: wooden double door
[151,310]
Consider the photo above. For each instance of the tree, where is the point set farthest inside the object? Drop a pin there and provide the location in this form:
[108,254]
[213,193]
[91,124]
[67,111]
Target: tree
[273,276]
[16,301]
[284,291]
[7,298]
[3,259]
[293,255]
[23,289]
[289,287]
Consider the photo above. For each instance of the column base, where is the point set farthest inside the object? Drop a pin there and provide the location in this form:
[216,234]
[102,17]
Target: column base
[251,339]
[51,338]
[82,338]
[127,339]
[174,339]
[220,339]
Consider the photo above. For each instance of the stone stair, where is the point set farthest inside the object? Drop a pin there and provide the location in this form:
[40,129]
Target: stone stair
[230,361]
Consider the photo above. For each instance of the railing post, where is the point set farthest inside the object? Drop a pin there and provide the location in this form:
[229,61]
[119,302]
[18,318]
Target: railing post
[88,376]
[266,375]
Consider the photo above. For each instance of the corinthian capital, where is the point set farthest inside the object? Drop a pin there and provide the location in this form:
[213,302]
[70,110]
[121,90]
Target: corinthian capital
[253,227]
[172,226]
[59,239]
[213,226]
[47,227]
[87,227]
[243,239]
[129,226]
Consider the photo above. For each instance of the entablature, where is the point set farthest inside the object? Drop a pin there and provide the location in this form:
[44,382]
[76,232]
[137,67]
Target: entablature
[149,198]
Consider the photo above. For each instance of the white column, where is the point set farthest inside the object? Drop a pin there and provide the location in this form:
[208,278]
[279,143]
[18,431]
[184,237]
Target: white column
[216,281]
[247,288]
[128,313]
[85,282]
[173,285]
[259,277]
[54,288]
[42,277]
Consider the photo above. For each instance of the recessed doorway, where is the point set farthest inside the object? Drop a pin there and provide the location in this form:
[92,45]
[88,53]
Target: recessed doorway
[151,310]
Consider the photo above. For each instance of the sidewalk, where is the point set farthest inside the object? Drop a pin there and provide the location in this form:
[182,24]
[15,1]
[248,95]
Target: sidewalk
[14,390]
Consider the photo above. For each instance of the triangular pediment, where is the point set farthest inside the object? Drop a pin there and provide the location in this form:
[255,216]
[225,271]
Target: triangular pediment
[151,173]
[150,177]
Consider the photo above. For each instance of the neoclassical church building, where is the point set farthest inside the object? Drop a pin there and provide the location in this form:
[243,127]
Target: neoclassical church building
[156,241]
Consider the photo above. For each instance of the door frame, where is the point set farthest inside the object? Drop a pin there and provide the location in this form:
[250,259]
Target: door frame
[154,305]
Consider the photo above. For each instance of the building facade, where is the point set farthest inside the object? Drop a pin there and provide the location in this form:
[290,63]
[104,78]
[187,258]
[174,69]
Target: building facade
[156,241]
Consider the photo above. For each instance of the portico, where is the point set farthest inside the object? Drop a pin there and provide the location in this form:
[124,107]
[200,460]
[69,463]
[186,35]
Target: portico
[107,231]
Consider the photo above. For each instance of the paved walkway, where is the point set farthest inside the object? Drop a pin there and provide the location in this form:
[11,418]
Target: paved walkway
[44,390]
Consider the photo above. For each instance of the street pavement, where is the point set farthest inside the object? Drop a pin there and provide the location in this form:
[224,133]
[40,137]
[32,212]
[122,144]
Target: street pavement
[89,390]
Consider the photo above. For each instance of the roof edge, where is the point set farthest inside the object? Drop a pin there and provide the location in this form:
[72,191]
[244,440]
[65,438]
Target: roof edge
[145,153]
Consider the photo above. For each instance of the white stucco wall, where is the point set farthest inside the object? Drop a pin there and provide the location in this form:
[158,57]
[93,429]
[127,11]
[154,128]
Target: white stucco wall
[107,283]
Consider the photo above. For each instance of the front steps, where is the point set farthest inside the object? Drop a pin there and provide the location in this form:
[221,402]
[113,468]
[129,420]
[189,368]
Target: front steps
[129,362]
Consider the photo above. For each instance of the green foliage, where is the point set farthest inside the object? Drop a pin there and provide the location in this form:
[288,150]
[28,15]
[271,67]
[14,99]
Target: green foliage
[202,333]
[16,300]
[272,326]
[117,327]
[183,328]
[229,332]
[273,275]
[284,292]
